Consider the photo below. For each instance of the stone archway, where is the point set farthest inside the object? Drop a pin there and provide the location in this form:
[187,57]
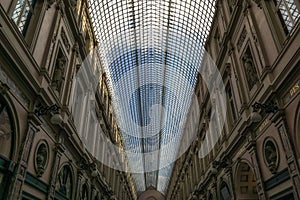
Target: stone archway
[6,130]
[245,182]
[7,143]
[151,194]
[224,191]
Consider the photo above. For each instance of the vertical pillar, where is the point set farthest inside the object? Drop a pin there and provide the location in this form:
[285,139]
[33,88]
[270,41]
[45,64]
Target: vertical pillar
[251,147]
[230,182]
[293,167]
[20,171]
[78,187]
[94,192]
[213,189]
[59,149]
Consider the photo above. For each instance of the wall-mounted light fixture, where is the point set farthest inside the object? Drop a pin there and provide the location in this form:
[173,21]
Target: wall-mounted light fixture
[270,107]
[266,107]
[221,163]
[83,165]
[45,110]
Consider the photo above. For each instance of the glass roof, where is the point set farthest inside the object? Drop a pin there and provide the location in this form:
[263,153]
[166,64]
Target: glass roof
[151,51]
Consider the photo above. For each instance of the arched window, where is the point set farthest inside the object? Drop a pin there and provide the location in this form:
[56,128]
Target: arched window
[6,143]
[245,182]
[210,197]
[64,182]
[84,192]
[5,130]
[224,192]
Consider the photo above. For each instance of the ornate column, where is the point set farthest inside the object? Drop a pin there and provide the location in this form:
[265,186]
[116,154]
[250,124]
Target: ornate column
[251,147]
[58,150]
[20,171]
[230,182]
[279,120]
[94,192]
[213,189]
[78,187]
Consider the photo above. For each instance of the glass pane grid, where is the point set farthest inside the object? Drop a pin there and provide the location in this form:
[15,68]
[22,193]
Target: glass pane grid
[153,48]
[289,12]
[21,14]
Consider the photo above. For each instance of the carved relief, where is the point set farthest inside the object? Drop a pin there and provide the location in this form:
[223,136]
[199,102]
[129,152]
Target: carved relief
[242,39]
[6,130]
[5,127]
[64,182]
[7,83]
[271,156]
[250,70]
[231,4]
[49,3]
[41,158]
[65,40]
[58,76]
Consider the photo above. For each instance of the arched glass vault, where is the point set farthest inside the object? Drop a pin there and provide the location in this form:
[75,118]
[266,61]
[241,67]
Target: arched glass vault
[151,51]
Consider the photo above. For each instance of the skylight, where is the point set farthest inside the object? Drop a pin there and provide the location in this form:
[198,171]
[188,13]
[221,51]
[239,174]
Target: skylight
[151,50]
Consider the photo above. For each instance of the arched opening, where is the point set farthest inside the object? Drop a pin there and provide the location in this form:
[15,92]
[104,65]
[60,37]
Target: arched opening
[224,191]
[7,138]
[84,192]
[210,196]
[245,182]
[64,183]
[151,194]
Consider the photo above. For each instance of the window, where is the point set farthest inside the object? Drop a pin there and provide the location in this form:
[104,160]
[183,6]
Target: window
[218,40]
[22,14]
[84,194]
[7,145]
[288,13]
[225,193]
[231,102]
[64,182]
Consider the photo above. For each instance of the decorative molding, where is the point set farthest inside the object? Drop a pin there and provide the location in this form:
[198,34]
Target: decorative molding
[75,49]
[271,154]
[293,91]
[258,2]
[279,178]
[3,88]
[65,40]
[60,6]
[250,68]
[242,39]
[50,3]
[6,83]
[41,158]
[36,183]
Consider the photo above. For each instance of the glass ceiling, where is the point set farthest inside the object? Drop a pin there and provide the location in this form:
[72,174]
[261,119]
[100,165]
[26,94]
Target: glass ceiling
[151,51]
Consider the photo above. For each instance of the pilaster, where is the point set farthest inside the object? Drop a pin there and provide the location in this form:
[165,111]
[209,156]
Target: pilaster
[58,150]
[251,148]
[280,123]
[20,171]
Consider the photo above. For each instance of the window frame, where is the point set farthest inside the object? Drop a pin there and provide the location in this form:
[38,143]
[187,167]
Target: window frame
[30,4]
[292,21]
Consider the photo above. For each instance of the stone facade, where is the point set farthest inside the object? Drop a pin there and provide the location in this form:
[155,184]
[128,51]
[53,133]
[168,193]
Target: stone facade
[44,154]
[257,156]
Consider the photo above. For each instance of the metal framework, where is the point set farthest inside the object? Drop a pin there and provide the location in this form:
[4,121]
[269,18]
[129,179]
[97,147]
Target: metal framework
[289,12]
[151,51]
